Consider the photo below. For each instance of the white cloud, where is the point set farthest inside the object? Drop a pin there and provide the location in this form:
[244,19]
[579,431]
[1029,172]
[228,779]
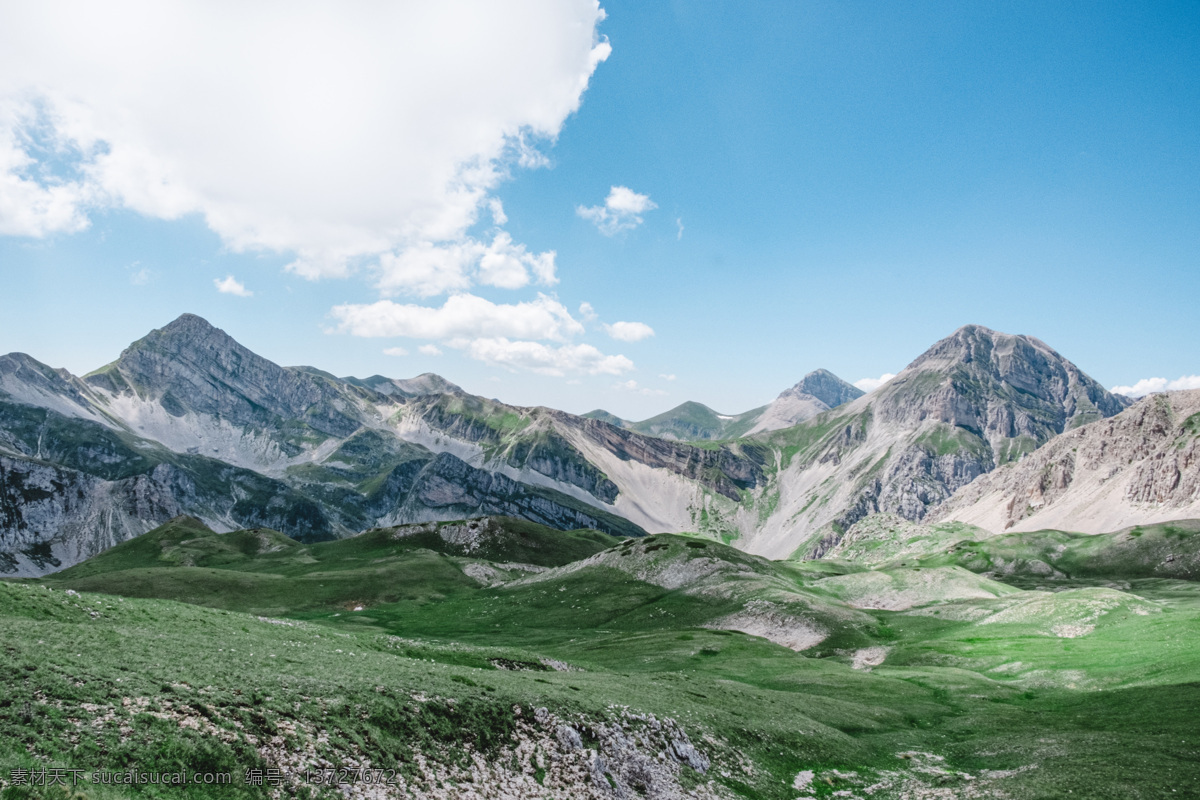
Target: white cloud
[497,209]
[629,331]
[667,377]
[587,312]
[338,133]
[426,269]
[1148,385]
[462,316]
[546,360]
[395,351]
[621,211]
[141,276]
[632,386]
[869,385]
[230,285]
[429,350]
[508,265]
[679,227]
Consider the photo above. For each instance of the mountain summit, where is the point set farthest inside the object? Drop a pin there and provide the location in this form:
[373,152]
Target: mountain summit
[1014,391]
[816,392]
[189,421]
[971,402]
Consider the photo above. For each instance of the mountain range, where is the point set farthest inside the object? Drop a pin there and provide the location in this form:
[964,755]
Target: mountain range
[188,421]
[818,391]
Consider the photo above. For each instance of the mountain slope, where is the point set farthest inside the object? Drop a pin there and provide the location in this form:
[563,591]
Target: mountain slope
[689,422]
[205,427]
[1138,467]
[816,392]
[975,399]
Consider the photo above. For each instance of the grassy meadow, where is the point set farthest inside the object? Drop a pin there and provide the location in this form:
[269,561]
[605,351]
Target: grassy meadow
[482,658]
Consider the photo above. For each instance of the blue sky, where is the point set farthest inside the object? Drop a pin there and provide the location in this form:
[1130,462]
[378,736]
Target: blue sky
[830,185]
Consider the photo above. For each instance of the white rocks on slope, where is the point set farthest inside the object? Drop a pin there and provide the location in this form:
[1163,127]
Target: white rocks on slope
[1139,467]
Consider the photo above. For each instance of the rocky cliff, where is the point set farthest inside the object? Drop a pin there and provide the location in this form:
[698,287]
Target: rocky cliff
[973,401]
[1138,467]
[816,392]
[189,421]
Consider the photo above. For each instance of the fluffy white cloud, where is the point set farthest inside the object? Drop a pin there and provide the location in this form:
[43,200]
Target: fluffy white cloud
[510,266]
[540,358]
[1148,385]
[622,211]
[34,202]
[426,269]
[629,331]
[399,352]
[334,132]
[587,312]
[429,350]
[230,285]
[869,385]
[462,316]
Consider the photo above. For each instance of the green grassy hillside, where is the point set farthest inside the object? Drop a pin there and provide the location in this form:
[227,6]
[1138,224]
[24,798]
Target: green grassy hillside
[1166,550]
[505,659]
[265,572]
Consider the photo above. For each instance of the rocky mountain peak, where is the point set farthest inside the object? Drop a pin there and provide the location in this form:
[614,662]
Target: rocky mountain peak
[996,386]
[191,365]
[826,387]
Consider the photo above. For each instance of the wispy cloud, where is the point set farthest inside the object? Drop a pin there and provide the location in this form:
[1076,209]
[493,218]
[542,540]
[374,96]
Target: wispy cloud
[141,275]
[869,385]
[679,228]
[395,351]
[632,386]
[231,285]
[429,350]
[1149,385]
[544,359]
[622,210]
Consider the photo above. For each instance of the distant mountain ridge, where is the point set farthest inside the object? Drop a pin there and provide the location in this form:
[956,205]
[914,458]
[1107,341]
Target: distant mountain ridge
[817,391]
[188,421]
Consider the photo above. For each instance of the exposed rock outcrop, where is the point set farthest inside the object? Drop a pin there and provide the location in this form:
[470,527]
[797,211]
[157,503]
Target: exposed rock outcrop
[1140,466]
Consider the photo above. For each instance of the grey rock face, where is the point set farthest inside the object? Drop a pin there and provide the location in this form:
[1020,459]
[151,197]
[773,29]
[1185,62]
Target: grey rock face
[822,384]
[725,469]
[1140,465]
[997,386]
[568,738]
[448,488]
[52,517]
[974,401]
[191,366]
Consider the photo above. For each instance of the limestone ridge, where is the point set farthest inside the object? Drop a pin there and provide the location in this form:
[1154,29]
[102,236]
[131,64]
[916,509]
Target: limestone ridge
[826,387]
[818,391]
[973,401]
[996,386]
[1138,467]
[427,383]
[189,365]
[189,421]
